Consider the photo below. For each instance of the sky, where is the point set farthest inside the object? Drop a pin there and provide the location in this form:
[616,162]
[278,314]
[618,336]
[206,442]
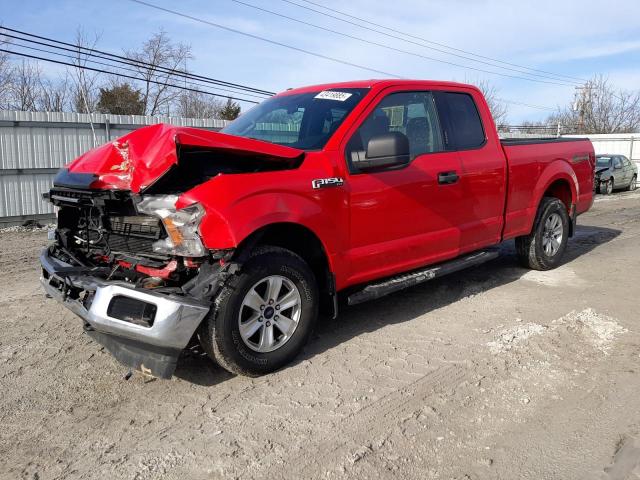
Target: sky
[578,39]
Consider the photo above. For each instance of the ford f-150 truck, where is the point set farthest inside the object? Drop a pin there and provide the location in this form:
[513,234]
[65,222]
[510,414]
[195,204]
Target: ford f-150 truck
[238,239]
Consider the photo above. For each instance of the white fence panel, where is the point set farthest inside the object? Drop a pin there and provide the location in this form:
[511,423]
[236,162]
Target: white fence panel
[627,144]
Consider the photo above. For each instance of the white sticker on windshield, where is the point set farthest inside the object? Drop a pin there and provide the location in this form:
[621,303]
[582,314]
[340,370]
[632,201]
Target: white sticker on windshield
[329,95]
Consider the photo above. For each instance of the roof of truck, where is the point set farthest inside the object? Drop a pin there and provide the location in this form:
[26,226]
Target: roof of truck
[378,83]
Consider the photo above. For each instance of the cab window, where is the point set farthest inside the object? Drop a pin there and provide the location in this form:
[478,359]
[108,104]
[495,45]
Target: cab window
[411,113]
[461,121]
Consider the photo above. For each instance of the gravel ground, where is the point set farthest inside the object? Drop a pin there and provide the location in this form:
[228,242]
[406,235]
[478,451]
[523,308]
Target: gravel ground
[494,372]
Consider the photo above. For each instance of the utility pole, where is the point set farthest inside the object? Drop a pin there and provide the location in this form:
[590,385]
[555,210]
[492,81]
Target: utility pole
[582,104]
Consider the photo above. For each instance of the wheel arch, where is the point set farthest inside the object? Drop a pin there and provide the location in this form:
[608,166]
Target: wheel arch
[559,181]
[304,242]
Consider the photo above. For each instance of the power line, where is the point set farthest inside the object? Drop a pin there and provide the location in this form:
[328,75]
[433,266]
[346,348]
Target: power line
[273,42]
[389,47]
[525,104]
[135,62]
[84,67]
[424,40]
[218,88]
[91,60]
[264,39]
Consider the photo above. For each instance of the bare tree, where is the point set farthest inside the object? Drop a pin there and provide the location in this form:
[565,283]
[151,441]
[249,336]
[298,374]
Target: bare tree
[54,95]
[161,58]
[197,105]
[85,83]
[24,86]
[498,108]
[5,74]
[601,108]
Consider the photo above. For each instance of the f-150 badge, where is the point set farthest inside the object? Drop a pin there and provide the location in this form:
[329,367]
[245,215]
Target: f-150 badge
[327,182]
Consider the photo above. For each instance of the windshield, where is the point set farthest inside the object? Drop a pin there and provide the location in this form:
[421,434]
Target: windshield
[305,120]
[603,162]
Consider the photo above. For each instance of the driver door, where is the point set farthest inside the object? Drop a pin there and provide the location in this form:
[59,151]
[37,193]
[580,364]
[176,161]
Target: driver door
[408,216]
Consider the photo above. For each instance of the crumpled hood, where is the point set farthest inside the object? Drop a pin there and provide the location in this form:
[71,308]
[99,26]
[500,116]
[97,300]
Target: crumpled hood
[599,171]
[136,160]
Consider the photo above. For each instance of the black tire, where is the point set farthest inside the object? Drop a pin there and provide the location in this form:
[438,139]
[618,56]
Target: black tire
[219,332]
[632,185]
[529,248]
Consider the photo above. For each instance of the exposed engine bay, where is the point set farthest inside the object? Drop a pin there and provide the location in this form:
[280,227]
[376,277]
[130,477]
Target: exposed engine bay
[138,239]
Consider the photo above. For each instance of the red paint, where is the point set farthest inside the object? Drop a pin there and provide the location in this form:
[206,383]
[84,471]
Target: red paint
[376,224]
[137,159]
[164,272]
[192,263]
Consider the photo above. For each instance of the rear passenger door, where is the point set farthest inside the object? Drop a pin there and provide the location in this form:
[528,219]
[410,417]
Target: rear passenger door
[483,168]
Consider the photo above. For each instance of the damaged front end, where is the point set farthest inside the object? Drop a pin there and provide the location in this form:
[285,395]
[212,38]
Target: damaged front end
[129,262]
[133,269]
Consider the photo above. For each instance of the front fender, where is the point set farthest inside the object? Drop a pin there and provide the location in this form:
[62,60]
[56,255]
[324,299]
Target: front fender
[228,225]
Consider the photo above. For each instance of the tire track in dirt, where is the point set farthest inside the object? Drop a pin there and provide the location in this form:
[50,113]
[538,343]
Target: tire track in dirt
[364,431]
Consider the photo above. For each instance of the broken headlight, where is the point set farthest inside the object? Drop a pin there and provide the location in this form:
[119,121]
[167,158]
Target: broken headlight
[181,225]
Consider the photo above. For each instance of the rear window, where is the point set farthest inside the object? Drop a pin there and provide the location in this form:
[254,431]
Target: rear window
[461,120]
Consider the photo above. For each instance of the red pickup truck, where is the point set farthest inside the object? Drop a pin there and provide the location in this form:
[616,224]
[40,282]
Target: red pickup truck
[238,239]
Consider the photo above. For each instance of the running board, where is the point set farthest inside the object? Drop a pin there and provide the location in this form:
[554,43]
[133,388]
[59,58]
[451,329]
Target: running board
[399,282]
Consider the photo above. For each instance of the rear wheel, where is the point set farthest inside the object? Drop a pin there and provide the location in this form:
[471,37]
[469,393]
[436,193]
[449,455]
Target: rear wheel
[632,185]
[264,315]
[542,249]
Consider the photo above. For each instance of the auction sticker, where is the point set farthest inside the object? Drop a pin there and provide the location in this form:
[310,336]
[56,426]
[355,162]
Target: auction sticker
[330,95]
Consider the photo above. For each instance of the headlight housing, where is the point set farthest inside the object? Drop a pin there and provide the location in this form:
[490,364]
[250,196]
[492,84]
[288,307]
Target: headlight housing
[181,225]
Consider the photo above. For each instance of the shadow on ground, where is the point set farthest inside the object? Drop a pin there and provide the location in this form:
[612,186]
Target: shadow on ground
[196,367]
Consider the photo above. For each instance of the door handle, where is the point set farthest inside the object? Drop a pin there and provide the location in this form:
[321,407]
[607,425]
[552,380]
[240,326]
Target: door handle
[447,178]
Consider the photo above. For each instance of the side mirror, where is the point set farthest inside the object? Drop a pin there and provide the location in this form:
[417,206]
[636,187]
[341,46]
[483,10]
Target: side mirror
[618,166]
[386,150]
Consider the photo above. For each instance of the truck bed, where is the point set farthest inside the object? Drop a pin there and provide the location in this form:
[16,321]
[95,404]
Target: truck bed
[533,163]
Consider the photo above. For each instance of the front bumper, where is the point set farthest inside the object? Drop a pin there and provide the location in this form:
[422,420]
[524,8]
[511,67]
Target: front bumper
[152,349]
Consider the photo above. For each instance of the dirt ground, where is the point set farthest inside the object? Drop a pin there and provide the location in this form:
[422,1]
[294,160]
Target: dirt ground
[492,373]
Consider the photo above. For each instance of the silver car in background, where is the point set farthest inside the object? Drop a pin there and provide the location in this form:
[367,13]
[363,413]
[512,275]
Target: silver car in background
[614,172]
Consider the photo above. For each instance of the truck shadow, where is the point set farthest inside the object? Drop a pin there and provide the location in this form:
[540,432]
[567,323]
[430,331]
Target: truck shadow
[194,366]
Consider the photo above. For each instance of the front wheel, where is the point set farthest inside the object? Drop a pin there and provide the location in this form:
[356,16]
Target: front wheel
[608,187]
[264,315]
[542,249]
[632,185]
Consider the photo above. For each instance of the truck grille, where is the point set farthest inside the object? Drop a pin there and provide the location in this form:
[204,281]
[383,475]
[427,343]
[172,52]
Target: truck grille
[139,226]
[122,243]
[133,234]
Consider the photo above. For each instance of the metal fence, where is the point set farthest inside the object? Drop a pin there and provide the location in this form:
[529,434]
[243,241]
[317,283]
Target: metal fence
[34,145]
[527,131]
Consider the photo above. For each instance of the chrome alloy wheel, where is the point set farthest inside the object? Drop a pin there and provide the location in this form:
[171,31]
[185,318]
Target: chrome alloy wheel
[269,314]
[552,234]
